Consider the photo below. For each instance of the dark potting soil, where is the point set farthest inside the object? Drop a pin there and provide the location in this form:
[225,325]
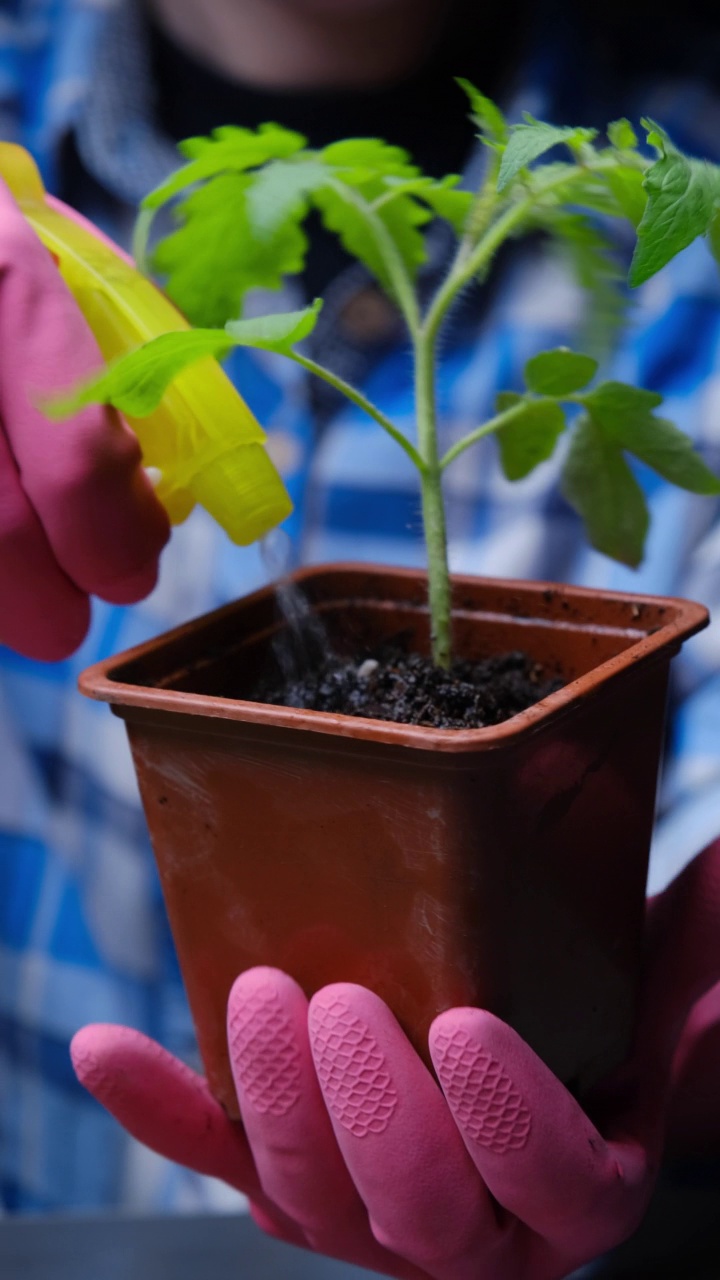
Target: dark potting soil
[407,688]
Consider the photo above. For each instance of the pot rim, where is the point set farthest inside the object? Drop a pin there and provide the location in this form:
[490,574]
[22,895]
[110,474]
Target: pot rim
[103,681]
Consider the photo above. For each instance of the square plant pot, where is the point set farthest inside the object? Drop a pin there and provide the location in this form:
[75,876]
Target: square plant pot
[502,867]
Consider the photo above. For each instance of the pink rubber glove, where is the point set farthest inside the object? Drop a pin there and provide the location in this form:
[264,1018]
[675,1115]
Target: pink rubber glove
[694,1119]
[349,1147]
[78,516]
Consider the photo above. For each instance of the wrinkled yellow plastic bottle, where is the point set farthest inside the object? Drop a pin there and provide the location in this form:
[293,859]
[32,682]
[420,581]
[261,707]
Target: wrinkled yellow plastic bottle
[202,437]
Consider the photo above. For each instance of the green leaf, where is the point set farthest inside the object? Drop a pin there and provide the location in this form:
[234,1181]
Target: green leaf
[670,452]
[622,135]
[216,255]
[599,485]
[546,182]
[590,256]
[227,150]
[277,194]
[559,372]
[615,403]
[656,136]
[234,235]
[682,196]
[345,212]
[346,215]
[624,414]
[589,246]
[628,188]
[403,219]
[359,161]
[136,383]
[487,116]
[714,236]
[279,332]
[616,192]
[531,437]
[508,399]
[440,197]
[582,189]
[364,172]
[446,202]
[531,140]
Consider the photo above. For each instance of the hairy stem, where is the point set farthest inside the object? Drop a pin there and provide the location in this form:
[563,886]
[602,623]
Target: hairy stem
[397,272]
[362,402]
[473,263]
[433,508]
[469,262]
[468,265]
[481,212]
[493,424]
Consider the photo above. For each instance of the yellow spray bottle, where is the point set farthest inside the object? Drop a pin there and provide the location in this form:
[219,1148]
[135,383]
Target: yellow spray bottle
[203,439]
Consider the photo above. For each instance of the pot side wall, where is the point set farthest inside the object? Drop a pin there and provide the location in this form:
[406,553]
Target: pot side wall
[509,879]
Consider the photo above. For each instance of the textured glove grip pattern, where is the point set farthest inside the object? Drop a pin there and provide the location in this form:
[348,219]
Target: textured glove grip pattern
[352,1069]
[265,1058]
[481,1094]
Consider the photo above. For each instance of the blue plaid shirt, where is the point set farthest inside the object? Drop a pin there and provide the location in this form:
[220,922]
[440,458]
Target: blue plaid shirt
[83,935]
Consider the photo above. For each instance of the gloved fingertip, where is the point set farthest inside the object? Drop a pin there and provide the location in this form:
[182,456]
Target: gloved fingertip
[81,1053]
[482,1090]
[262,979]
[54,638]
[89,1053]
[131,588]
[112,545]
[155,515]
[151,534]
[162,1102]
[339,995]
[266,1024]
[124,1048]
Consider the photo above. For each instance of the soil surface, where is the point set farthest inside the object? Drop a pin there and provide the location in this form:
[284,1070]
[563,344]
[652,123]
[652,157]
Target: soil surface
[391,684]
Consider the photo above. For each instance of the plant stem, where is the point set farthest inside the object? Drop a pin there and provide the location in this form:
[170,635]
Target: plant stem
[493,424]
[402,285]
[439,591]
[430,469]
[140,240]
[433,508]
[465,267]
[481,213]
[470,261]
[469,264]
[362,402]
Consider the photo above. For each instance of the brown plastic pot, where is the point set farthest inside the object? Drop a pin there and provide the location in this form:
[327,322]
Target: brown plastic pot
[503,867]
